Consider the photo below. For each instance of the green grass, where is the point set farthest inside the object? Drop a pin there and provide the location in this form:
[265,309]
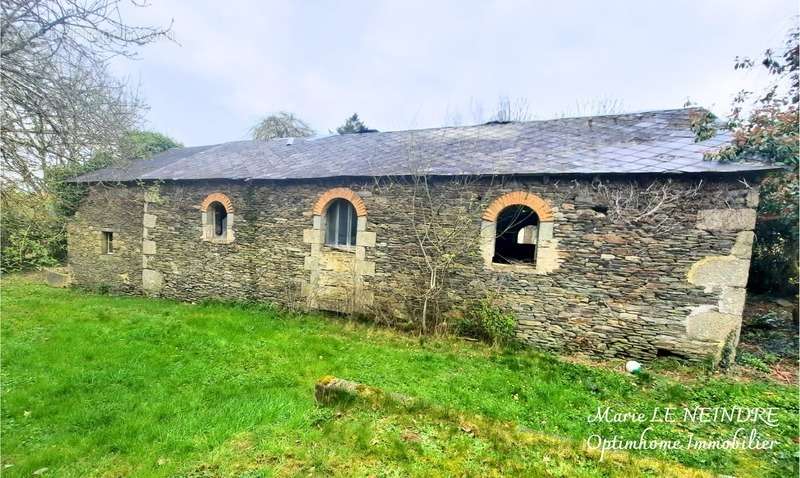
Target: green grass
[97,385]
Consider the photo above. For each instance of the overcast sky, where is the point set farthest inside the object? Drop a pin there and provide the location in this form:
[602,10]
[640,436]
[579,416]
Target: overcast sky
[406,64]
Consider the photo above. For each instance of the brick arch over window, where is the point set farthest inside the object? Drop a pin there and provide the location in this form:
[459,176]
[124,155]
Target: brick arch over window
[217,225]
[337,193]
[539,206]
[217,197]
[546,257]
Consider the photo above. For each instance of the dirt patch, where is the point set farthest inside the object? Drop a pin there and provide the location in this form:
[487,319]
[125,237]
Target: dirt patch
[768,346]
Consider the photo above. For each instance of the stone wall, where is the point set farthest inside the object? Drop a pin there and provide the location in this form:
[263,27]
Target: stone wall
[118,210]
[671,282]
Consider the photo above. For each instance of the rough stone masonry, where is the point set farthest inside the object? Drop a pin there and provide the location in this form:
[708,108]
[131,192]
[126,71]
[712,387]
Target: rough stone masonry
[642,248]
[616,289]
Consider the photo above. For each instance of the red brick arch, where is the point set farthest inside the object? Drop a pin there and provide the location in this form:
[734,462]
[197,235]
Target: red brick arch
[217,197]
[539,205]
[340,193]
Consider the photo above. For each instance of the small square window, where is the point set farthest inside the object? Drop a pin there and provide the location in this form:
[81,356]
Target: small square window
[108,242]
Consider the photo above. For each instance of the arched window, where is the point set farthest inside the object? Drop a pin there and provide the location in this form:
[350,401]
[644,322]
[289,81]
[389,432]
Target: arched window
[340,254]
[219,218]
[516,236]
[340,223]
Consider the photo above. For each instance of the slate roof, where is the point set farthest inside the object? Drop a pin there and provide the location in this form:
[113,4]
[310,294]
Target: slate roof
[649,142]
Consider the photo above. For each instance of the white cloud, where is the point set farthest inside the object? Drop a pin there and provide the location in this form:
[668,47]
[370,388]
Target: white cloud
[410,64]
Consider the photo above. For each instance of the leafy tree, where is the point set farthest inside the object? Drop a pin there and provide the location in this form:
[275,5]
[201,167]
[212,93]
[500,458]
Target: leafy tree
[354,125]
[137,144]
[30,233]
[765,128]
[281,125]
[140,144]
[33,229]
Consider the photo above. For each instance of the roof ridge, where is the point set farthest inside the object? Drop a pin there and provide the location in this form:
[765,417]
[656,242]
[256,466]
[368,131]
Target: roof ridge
[469,126]
[546,120]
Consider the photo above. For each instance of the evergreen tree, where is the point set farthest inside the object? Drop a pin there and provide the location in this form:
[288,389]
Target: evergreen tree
[354,124]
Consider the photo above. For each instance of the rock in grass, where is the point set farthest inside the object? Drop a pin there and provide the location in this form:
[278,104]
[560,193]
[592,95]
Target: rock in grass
[57,278]
[330,390]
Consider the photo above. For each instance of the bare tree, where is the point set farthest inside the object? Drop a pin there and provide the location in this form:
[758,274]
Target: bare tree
[596,107]
[281,125]
[443,240]
[652,204]
[509,110]
[62,113]
[505,111]
[91,29]
[477,113]
[59,103]
[446,234]
[452,117]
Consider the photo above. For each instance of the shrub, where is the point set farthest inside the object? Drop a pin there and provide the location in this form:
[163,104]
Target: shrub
[33,222]
[770,320]
[643,378]
[30,233]
[774,266]
[484,320]
[760,363]
[25,251]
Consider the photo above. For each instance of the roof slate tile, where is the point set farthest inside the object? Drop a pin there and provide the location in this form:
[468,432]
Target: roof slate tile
[650,142]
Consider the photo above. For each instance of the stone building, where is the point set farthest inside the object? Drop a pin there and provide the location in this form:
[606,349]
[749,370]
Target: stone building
[610,234]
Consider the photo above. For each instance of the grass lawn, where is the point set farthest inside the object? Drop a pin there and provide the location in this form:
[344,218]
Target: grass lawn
[108,386]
